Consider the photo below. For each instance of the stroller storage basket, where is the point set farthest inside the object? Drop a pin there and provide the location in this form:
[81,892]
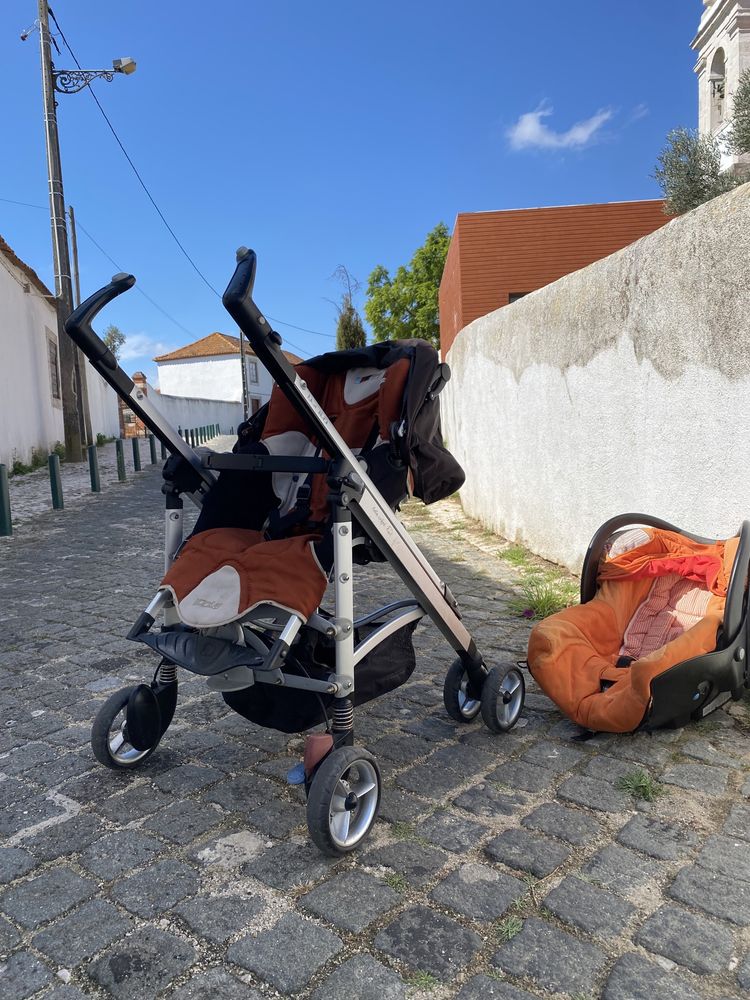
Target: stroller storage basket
[291,710]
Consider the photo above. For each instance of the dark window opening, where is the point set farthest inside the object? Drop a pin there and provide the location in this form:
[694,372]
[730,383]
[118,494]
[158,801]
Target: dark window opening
[254,404]
[515,296]
[54,369]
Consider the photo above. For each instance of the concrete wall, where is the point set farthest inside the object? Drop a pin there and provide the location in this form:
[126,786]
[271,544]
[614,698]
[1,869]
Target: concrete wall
[29,416]
[216,377]
[184,413]
[102,405]
[622,387]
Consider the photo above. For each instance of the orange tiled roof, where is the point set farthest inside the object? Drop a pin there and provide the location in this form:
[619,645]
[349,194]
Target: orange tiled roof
[213,344]
[33,277]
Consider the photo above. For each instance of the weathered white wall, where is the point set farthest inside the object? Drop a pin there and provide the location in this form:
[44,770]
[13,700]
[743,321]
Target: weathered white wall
[185,413]
[29,418]
[622,387]
[216,377]
[102,404]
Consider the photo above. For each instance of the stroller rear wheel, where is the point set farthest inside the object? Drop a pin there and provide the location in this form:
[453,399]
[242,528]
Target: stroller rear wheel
[343,800]
[460,701]
[502,698]
[109,735]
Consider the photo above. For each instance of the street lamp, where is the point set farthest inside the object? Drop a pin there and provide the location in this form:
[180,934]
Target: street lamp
[76,417]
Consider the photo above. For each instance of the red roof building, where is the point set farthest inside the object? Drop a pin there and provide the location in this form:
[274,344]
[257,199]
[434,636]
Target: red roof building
[496,258]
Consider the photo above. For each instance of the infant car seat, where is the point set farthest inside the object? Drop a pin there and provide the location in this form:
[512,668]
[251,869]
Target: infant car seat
[661,633]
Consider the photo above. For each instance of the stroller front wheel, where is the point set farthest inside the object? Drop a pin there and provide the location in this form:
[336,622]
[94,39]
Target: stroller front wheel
[459,700]
[109,735]
[503,696]
[343,800]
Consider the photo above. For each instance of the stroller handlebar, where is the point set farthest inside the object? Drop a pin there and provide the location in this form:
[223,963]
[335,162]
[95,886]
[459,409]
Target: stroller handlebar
[79,329]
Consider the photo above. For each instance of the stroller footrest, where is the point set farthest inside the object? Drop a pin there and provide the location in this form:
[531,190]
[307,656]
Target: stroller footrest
[201,654]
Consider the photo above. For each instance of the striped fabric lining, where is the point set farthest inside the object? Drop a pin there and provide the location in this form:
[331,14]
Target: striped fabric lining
[672,606]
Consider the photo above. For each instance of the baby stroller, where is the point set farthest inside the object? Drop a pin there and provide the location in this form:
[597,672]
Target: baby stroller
[308,492]
[661,634]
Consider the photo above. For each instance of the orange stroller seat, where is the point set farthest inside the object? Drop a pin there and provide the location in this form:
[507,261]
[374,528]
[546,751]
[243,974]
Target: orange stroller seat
[660,634]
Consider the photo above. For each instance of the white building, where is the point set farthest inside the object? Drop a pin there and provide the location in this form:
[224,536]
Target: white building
[210,369]
[30,390]
[723,47]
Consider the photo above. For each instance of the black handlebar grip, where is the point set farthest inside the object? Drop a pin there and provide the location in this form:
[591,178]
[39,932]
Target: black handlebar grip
[79,329]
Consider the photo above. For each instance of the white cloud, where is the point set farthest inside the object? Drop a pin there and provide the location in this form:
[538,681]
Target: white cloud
[638,112]
[140,345]
[530,131]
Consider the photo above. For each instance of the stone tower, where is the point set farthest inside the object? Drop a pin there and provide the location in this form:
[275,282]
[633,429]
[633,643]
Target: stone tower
[723,47]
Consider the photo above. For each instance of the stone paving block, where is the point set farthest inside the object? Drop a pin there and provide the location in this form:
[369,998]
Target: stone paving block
[633,977]
[230,758]
[592,909]
[142,965]
[96,786]
[478,892]
[738,822]
[430,781]
[485,986]
[217,918]
[397,806]
[82,933]
[289,866]
[186,778]
[727,855]
[31,756]
[277,818]
[710,752]
[69,837]
[514,774]
[215,984]
[432,727]
[22,975]
[572,825]
[698,943]
[697,777]
[612,769]
[528,852]
[743,974]
[557,757]
[9,937]
[469,762]
[364,978]
[305,947]
[658,838]
[183,821]
[641,749]
[14,862]
[65,767]
[621,870]
[25,810]
[429,942]
[453,833]
[416,862]
[351,901]
[241,794]
[721,896]
[64,992]
[554,959]
[135,803]
[401,748]
[156,888]
[119,853]
[594,794]
[488,800]
[45,897]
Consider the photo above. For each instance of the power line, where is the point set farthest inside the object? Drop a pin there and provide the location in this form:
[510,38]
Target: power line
[150,197]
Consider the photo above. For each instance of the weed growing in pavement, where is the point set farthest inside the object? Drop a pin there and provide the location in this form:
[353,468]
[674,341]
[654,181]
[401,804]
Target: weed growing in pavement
[397,882]
[423,981]
[640,785]
[508,928]
[543,596]
[517,555]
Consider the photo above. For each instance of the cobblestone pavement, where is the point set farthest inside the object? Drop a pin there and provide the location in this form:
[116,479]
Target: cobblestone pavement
[510,867]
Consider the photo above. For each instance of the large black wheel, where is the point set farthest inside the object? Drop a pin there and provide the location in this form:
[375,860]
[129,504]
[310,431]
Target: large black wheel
[109,735]
[343,800]
[461,703]
[502,698]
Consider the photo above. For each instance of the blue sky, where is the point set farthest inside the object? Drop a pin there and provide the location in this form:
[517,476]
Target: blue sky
[326,134]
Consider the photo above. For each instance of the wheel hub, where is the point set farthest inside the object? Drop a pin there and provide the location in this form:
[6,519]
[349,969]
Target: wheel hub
[351,802]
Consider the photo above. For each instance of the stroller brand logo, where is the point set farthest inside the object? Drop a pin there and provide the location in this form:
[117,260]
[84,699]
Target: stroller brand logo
[208,604]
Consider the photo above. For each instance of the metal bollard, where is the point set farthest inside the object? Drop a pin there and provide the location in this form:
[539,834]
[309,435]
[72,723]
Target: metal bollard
[96,486]
[119,450]
[136,454]
[6,522]
[55,482]
[152,448]
[163,452]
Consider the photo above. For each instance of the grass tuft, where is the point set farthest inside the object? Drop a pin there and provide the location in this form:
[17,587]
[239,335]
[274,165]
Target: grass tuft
[640,785]
[396,881]
[542,597]
[423,981]
[517,555]
[508,928]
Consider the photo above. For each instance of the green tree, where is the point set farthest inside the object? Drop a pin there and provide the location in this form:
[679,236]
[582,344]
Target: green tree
[739,133]
[688,171]
[114,338]
[350,331]
[406,305]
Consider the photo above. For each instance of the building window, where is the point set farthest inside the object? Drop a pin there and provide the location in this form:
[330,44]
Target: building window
[717,83]
[515,296]
[54,366]
[254,404]
[128,417]
[252,372]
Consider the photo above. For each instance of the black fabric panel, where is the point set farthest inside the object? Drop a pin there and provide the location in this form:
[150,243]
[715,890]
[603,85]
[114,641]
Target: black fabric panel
[239,499]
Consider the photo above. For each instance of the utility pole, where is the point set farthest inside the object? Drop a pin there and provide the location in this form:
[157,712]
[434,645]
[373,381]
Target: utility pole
[243,362]
[80,362]
[72,401]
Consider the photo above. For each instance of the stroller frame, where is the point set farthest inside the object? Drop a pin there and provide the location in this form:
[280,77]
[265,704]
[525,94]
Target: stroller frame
[341,808]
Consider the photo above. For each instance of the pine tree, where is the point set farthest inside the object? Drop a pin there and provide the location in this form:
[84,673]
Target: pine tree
[350,331]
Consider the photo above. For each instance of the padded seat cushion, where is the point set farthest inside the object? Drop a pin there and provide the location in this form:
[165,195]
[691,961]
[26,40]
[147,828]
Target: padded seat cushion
[223,573]
[573,655]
